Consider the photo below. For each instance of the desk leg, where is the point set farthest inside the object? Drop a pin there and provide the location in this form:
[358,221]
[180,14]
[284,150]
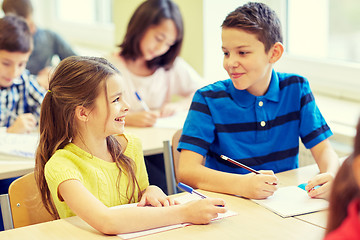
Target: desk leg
[6,211]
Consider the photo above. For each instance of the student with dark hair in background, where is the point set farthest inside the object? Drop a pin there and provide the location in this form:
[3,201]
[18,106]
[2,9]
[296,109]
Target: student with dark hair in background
[46,43]
[150,63]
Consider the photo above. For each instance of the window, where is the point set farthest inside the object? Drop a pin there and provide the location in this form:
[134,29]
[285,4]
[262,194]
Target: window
[322,45]
[85,23]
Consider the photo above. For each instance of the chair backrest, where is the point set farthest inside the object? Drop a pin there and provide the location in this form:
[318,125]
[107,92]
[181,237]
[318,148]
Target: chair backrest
[25,202]
[171,162]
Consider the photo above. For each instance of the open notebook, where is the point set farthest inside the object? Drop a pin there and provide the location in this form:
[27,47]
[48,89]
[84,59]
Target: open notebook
[181,199]
[292,201]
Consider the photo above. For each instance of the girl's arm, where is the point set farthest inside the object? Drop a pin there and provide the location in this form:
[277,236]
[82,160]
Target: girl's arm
[122,220]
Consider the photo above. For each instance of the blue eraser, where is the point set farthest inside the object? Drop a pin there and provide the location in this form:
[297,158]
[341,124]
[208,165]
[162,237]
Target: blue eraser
[303,185]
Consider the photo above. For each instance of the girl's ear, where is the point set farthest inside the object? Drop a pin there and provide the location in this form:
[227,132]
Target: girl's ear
[82,113]
[276,52]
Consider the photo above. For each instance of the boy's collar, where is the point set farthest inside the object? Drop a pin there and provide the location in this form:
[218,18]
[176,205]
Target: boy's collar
[245,99]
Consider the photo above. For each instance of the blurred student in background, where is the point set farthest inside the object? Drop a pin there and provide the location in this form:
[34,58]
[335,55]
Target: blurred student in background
[47,44]
[344,209]
[148,60]
[20,93]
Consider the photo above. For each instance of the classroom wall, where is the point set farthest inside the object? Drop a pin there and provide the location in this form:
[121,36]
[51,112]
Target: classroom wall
[192,12]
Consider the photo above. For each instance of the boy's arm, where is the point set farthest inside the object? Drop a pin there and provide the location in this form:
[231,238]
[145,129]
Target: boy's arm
[191,171]
[328,163]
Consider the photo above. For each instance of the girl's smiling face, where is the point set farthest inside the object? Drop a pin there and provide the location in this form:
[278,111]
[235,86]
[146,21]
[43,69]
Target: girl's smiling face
[108,115]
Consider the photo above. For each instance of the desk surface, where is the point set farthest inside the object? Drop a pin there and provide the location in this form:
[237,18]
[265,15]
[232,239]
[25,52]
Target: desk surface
[152,141]
[152,138]
[252,222]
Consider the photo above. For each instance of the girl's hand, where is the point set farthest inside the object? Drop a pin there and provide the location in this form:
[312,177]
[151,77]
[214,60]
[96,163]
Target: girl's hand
[154,196]
[141,119]
[324,180]
[203,211]
[262,185]
[24,123]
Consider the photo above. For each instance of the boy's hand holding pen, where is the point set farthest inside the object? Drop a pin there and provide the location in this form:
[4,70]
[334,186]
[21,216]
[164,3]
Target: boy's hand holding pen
[250,169]
[261,185]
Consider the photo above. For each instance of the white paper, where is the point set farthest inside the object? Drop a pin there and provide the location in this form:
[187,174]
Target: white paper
[175,121]
[23,145]
[292,201]
[182,200]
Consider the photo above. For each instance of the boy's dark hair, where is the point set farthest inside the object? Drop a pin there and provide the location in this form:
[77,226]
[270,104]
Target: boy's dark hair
[151,13]
[15,35]
[258,19]
[22,8]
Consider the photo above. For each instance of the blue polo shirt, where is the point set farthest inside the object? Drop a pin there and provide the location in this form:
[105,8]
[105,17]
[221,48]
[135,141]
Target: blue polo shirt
[259,131]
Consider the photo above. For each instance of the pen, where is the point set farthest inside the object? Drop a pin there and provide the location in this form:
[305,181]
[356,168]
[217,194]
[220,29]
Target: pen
[239,164]
[190,189]
[143,104]
[242,165]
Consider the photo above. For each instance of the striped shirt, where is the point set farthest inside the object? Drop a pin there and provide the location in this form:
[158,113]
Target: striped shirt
[24,96]
[259,131]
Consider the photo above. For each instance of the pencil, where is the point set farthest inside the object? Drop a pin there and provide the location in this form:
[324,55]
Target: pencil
[239,164]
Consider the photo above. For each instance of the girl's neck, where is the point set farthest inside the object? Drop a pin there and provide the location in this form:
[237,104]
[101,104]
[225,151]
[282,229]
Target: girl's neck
[95,146]
[139,67]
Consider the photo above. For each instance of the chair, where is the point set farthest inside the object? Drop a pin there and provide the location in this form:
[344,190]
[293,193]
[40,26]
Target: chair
[171,159]
[23,205]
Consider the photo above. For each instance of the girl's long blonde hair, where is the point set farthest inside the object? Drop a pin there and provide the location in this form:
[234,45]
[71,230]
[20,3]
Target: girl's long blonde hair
[77,81]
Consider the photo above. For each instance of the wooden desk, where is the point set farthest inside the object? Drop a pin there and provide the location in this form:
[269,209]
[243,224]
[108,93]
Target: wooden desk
[15,166]
[152,141]
[252,222]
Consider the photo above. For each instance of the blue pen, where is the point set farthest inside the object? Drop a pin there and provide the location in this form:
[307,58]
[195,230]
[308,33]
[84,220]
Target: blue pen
[189,189]
[143,104]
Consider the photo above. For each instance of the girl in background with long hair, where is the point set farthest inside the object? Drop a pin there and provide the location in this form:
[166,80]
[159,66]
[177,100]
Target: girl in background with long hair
[149,61]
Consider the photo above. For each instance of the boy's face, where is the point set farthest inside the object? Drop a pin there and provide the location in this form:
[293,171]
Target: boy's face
[246,62]
[12,65]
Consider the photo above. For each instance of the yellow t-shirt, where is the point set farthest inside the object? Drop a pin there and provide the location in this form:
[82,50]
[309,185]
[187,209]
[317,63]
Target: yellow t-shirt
[98,176]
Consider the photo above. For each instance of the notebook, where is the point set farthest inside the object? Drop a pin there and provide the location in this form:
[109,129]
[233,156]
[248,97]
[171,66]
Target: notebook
[182,200]
[292,201]
[20,145]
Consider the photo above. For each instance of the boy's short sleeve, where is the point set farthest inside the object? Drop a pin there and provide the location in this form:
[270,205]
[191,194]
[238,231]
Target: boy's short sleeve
[313,127]
[198,132]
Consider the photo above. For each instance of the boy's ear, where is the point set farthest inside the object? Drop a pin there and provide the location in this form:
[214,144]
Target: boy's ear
[82,113]
[276,52]
[356,169]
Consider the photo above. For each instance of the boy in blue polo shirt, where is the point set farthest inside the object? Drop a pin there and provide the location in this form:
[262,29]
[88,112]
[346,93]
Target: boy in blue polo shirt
[256,117]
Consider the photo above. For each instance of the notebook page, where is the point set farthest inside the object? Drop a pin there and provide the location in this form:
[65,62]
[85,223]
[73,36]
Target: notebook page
[23,145]
[291,201]
[182,200]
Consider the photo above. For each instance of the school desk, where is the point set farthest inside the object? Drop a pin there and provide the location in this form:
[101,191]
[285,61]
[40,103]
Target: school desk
[152,141]
[252,222]
[15,169]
